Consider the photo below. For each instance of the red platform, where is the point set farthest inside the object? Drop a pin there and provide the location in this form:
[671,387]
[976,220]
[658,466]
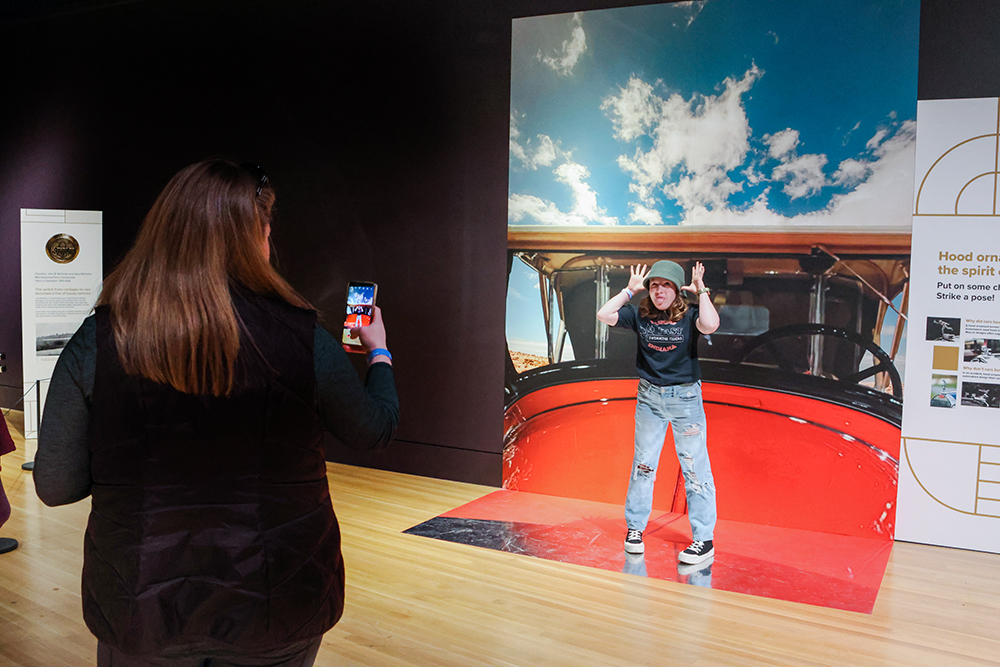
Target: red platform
[836,571]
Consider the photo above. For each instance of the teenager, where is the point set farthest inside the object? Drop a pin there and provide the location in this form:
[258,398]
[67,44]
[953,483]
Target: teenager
[667,329]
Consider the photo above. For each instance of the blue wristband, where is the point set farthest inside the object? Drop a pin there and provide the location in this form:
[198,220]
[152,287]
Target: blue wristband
[629,293]
[379,351]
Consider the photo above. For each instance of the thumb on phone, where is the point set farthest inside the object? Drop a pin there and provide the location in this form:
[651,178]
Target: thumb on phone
[372,336]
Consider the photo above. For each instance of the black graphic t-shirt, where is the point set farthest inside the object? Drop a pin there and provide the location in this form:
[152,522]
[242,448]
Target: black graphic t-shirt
[667,351]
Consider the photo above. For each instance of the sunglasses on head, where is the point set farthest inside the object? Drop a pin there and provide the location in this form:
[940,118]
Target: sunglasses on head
[258,172]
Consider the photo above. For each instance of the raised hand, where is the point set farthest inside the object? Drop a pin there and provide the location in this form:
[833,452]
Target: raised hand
[697,278]
[637,276]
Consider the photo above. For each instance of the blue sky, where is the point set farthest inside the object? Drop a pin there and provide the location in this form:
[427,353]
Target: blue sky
[766,112]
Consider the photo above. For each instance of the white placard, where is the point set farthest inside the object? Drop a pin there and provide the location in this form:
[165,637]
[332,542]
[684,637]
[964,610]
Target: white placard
[61,274]
[949,477]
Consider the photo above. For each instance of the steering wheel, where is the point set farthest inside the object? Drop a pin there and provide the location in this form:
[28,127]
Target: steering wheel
[883,364]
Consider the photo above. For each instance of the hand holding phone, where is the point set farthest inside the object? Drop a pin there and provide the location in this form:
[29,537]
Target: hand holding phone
[360,311]
[373,336]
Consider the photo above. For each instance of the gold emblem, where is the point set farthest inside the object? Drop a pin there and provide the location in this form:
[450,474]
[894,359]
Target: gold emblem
[62,248]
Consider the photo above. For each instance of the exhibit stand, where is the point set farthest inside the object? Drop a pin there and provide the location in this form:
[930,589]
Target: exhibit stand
[61,275]
[949,472]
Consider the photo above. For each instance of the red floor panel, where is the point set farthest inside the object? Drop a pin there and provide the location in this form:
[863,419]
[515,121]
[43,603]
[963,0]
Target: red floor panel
[836,571]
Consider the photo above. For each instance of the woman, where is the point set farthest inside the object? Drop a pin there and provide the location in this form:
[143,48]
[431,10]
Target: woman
[669,394]
[191,408]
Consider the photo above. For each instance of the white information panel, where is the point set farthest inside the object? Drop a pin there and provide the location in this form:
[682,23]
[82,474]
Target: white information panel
[949,477]
[61,275]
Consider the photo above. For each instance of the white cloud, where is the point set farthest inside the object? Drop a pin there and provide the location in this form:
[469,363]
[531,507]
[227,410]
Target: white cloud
[693,8]
[545,154]
[884,199]
[781,143]
[851,172]
[757,214]
[529,156]
[708,189]
[752,175]
[904,136]
[516,149]
[527,208]
[803,173]
[874,142]
[644,215]
[634,111]
[566,57]
[847,136]
[584,198]
[705,137]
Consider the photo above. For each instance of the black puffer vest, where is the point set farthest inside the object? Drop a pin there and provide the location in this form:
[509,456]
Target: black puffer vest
[211,526]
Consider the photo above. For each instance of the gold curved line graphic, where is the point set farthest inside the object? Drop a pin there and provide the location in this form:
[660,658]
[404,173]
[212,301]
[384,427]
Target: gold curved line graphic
[970,182]
[906,454]
[916,208]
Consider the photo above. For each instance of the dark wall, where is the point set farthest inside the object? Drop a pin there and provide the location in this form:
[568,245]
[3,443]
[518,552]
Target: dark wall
[959,49]
[383,126]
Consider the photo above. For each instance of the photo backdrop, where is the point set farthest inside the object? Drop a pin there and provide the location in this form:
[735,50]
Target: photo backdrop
[758,138]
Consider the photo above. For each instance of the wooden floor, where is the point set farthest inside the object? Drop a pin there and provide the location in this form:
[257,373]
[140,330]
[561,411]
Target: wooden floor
[418,601]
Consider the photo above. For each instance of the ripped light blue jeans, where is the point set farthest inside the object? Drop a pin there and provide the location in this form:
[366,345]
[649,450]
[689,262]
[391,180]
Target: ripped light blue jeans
[680,407]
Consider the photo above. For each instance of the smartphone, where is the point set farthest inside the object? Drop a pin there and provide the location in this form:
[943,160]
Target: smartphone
[360,308]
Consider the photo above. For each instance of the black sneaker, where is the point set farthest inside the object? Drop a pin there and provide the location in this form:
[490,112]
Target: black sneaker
[696,553]
[633,542]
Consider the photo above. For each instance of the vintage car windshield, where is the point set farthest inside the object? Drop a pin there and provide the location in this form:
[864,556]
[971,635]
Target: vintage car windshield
[791,295]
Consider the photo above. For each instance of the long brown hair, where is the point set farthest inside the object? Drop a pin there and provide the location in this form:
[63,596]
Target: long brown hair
[673,313]
[169,299]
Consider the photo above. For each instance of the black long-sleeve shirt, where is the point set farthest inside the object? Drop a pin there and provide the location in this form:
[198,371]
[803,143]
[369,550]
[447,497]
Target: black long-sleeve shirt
[363,416]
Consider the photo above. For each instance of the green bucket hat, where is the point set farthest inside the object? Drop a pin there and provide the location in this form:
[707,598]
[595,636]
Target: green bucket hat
[672,271]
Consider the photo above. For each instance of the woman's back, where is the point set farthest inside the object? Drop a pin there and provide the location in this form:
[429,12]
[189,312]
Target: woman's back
[211,519]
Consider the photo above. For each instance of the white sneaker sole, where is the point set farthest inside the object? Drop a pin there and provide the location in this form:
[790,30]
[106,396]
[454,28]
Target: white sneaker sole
[635,548]
[694,560]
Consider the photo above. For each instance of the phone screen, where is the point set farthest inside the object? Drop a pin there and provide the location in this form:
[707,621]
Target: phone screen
[360,306]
